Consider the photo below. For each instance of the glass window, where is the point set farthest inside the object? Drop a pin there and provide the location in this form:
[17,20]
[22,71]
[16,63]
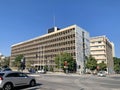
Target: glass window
[1,74]
[13,75]
[99,41]
[22,75]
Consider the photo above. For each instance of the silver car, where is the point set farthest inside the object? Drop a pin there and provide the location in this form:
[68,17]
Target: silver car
[11,79]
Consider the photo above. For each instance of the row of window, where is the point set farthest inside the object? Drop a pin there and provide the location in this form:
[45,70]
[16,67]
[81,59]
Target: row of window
[97,42]
[61,39]
[47,46]
[102,46]
[16,75]
[47,38]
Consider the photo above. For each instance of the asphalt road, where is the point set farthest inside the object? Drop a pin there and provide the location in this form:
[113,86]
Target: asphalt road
[72,82]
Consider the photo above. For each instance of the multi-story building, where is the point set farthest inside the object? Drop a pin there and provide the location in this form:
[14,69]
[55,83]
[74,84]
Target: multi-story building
[113,49]
[2,57]
[102,50]
[42,50]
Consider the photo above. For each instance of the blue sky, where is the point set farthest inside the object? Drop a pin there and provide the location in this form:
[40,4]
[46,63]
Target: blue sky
[21,20]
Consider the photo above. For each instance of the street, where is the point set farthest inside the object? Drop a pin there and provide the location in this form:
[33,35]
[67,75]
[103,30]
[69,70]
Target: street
[74,82]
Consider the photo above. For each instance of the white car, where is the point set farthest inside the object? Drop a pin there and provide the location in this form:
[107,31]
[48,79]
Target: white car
[41,71]
[101,73]
[11,79]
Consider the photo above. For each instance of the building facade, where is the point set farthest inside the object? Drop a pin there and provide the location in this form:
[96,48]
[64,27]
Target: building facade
[2,57]
[113,49]
[102,50]
[42,50]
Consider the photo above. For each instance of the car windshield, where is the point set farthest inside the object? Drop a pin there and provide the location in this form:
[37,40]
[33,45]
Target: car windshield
[101,72]
[7,69]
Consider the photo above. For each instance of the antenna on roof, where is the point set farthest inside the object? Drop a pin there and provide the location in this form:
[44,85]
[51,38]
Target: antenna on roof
[54,21]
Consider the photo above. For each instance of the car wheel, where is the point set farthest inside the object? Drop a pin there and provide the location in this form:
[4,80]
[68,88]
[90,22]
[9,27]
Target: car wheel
[32,83]
[8,86]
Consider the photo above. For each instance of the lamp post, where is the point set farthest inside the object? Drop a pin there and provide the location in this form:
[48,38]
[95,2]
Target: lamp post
[22,66]
[43,57]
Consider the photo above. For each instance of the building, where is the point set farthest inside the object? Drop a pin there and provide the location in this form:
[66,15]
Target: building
[113,49]
[42,50]
[3,60]
[2,57]
[102,50]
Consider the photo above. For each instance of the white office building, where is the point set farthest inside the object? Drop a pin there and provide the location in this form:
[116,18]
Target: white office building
[73,40]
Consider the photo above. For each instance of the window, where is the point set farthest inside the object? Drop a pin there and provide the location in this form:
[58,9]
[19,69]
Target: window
[13,75]
[93,42]
[99,41]
[22,75]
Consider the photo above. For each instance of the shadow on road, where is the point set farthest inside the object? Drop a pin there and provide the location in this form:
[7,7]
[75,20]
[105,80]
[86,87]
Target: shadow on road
[36,87]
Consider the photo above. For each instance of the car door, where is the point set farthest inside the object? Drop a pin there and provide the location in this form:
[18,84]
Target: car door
[14,78]
[24,79]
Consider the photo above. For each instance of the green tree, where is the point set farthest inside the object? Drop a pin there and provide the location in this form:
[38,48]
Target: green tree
[91,63]
[17,61]
[102,66]
[116,64]
[65,61]
[58,61]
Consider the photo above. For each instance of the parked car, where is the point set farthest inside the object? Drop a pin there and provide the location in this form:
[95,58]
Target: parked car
[5,69]
[101,73]
[41,71]
[11,79]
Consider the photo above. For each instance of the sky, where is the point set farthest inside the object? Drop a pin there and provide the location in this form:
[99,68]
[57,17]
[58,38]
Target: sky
[21,20]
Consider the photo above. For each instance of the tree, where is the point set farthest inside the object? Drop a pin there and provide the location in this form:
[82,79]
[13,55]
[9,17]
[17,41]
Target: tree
[17,62]
[65,61]
[91,63]
[116,64]
[5,62]
[58,61]
[102,66]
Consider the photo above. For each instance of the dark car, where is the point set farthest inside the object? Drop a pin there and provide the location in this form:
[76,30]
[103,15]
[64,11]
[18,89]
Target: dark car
[5,69]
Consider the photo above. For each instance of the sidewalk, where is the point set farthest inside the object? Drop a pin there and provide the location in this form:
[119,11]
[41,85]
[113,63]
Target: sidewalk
[113,75]
[55,73]
[66,74]
[70,74]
